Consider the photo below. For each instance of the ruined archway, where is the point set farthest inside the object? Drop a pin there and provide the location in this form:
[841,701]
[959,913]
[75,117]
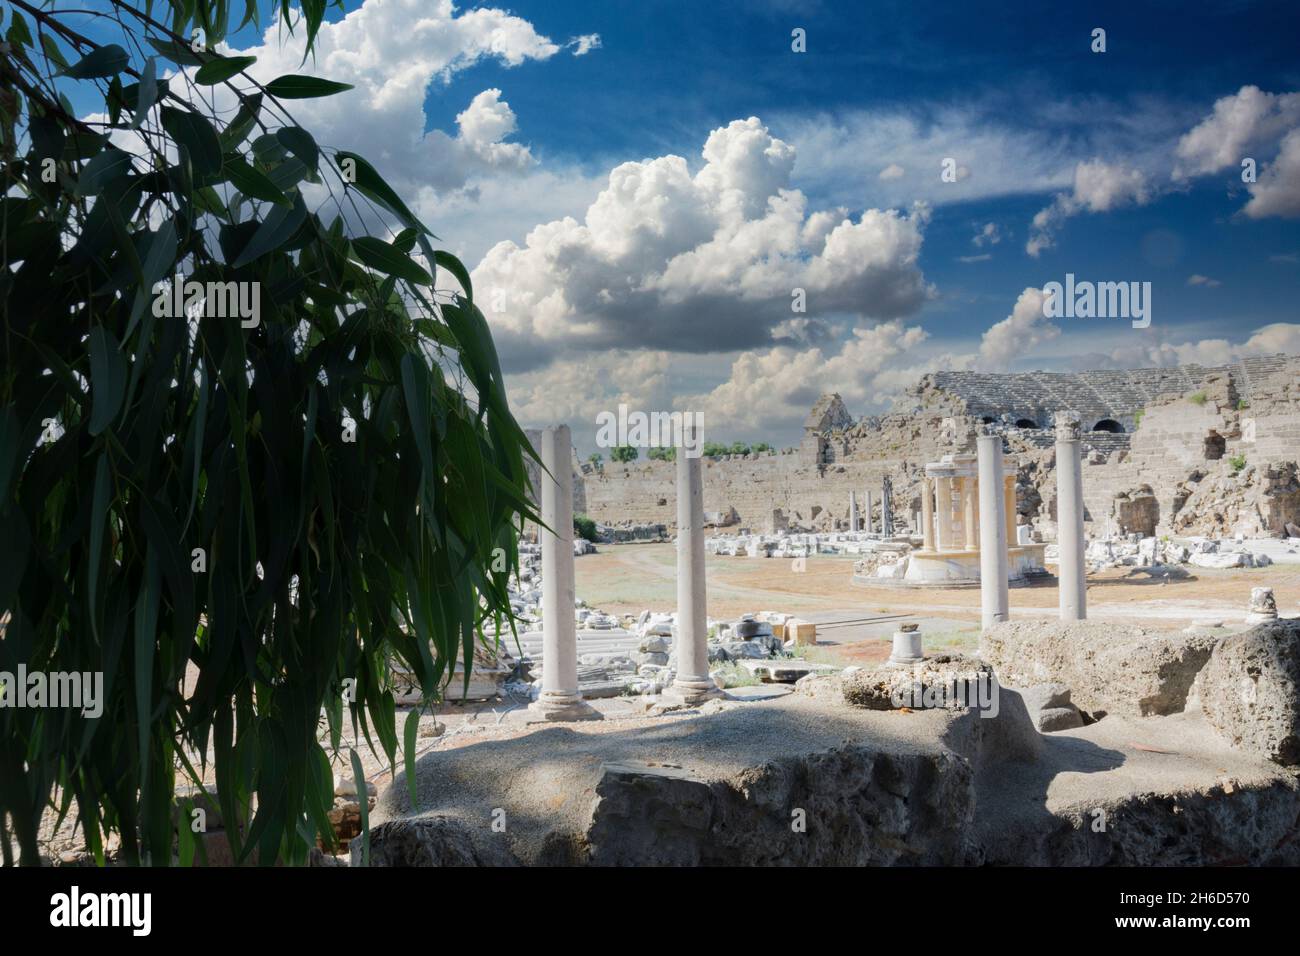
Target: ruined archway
[1026,423]
[1215,446]
[1109,425]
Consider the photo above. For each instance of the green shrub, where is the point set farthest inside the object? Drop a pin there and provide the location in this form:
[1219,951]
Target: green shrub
[1238,462]
[1197,398]
[584,527]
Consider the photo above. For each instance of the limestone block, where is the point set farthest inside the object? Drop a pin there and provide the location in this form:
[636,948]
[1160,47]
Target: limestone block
[1250,690]
[1050,707]
[800,631]
[1110,667]
[948,681]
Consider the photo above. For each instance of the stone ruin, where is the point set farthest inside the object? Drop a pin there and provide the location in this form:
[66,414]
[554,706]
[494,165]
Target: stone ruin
[1189,451]
[1069,742]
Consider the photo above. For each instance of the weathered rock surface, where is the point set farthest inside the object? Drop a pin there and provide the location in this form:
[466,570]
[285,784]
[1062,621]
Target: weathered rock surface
[1109,667]
[809,780]
[430,841]
[1250,690]
[945,681]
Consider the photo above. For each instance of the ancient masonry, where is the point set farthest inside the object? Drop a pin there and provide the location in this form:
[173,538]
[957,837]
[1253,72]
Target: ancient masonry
[1180,451]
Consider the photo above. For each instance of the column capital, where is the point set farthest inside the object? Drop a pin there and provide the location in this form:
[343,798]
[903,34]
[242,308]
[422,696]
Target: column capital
[1067,425]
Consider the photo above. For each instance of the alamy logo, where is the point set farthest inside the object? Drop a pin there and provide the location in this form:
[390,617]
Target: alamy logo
[213,300]
[1098,300]
[73,909]
[965,689]
[683,430]
[84,692]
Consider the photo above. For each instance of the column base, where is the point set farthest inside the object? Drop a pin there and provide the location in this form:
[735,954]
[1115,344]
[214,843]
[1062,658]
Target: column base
[560,708]
[690,693]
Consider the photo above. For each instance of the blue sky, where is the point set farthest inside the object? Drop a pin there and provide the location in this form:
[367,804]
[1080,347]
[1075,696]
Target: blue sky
[667,70]
[635,236]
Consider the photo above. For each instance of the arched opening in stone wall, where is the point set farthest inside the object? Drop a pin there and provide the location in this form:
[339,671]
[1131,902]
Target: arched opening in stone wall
[1215,446]
[1026,423]
[1109,425]
[988,419]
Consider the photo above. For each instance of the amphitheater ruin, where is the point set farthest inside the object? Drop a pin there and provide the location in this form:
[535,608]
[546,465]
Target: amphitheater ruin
[1190,450]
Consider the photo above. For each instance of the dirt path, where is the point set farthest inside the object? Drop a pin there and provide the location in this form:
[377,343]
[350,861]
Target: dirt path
[629,578]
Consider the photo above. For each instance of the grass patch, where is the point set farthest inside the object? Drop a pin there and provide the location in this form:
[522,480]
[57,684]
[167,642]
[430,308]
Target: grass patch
[733,675]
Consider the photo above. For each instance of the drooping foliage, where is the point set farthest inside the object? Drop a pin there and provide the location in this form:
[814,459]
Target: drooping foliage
[277,477]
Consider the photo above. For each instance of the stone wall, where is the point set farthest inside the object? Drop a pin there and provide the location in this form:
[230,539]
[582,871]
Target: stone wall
[1188,436]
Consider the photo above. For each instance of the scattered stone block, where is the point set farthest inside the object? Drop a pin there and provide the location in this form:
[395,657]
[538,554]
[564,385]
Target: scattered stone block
[801,632]
[948,681]
[1050,707]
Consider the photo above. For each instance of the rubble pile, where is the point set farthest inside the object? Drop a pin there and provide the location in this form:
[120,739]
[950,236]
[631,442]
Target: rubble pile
[1136,551]
[1251,502]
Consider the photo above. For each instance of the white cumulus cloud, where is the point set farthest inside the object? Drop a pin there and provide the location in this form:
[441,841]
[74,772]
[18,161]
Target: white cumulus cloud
[705,261]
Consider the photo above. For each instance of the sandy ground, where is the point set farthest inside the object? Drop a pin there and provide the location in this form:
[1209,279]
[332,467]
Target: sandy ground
[628,578]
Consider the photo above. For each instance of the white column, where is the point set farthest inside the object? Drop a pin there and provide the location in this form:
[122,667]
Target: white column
[866,518]
[853,511]
[968,492]
[1009,493]
[994,595]
[943,513]
[927,514]
[692,684]
[560,698]
[1069,518]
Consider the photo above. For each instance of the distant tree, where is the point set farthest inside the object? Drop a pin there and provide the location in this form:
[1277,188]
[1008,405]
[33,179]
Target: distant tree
[762,447]
[662,454]
[623,453]
[597,459]
[713,449]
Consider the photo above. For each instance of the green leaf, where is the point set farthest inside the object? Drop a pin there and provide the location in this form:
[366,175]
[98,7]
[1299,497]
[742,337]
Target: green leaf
[295,87]
[457,269]
[276,229]
[147,93]
[107,378]
[157,261]
[410,733]
[107,166]
[381,256]
[252,182]
[243,123]
[98,521]
[364,803]
[146,628]
[18,34]
[179,53]
[103,62]
[415,389]
[300,142]
[221,69]
[357,172]
[51,48]
[196,134]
